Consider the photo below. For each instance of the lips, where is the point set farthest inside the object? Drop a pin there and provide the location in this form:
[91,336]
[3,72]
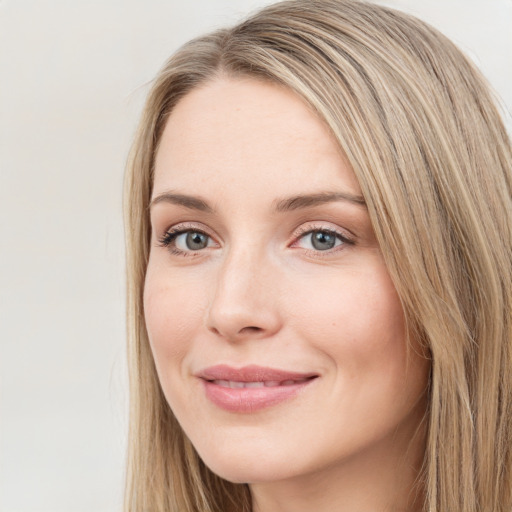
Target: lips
[235,384]
[251,388]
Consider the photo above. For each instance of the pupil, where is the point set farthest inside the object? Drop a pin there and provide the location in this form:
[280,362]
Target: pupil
[196,241]
[323,241]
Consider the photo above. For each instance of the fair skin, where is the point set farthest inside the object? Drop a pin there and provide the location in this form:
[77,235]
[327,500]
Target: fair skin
[263,253]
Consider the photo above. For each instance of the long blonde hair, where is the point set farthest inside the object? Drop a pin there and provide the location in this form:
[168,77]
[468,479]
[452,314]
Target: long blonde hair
[420,128]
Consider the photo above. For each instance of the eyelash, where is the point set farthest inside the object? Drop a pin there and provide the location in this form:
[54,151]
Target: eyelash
[304,231]
[169,238]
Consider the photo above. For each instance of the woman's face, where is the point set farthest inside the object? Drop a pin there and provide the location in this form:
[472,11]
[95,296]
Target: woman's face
[277,333]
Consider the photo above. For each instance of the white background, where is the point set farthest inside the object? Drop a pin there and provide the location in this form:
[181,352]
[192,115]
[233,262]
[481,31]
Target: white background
[73,76]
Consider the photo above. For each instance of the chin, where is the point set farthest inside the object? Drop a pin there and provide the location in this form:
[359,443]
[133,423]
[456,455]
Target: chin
[244,474]
[246,468]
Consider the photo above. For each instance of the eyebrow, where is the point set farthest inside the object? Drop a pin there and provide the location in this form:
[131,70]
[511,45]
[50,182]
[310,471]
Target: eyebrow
[283,205]
[310,200]
[190,202]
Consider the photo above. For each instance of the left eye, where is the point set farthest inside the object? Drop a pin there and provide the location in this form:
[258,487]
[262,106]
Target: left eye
[192,241]
[320,240]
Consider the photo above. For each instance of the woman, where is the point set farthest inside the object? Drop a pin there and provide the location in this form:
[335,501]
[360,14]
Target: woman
[319,266]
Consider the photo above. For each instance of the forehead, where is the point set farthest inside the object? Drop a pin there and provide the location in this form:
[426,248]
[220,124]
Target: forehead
[247,132]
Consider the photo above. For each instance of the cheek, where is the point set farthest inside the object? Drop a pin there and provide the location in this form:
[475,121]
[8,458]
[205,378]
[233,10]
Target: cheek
[172,312]
[356,320]
[359,312]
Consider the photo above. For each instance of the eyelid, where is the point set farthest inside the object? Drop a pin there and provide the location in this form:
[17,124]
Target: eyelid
[172,232]
[180,227]
[305,229]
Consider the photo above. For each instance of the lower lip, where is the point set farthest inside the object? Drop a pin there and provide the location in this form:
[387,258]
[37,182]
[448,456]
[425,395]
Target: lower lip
[247,400]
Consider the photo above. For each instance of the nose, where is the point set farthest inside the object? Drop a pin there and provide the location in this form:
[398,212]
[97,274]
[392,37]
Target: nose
[244,303]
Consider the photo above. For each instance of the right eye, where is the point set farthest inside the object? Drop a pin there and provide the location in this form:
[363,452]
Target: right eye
[186,241]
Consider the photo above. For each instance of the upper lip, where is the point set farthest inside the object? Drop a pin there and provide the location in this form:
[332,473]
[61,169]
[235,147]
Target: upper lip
[251,373]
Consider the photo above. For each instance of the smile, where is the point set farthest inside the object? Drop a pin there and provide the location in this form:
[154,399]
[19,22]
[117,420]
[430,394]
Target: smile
[256,384]
[251,388]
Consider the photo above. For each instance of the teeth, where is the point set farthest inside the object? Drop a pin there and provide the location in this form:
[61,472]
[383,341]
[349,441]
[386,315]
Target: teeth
[258,384]
[253,384]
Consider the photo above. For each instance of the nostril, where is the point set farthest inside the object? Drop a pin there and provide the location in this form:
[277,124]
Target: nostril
[250,330]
